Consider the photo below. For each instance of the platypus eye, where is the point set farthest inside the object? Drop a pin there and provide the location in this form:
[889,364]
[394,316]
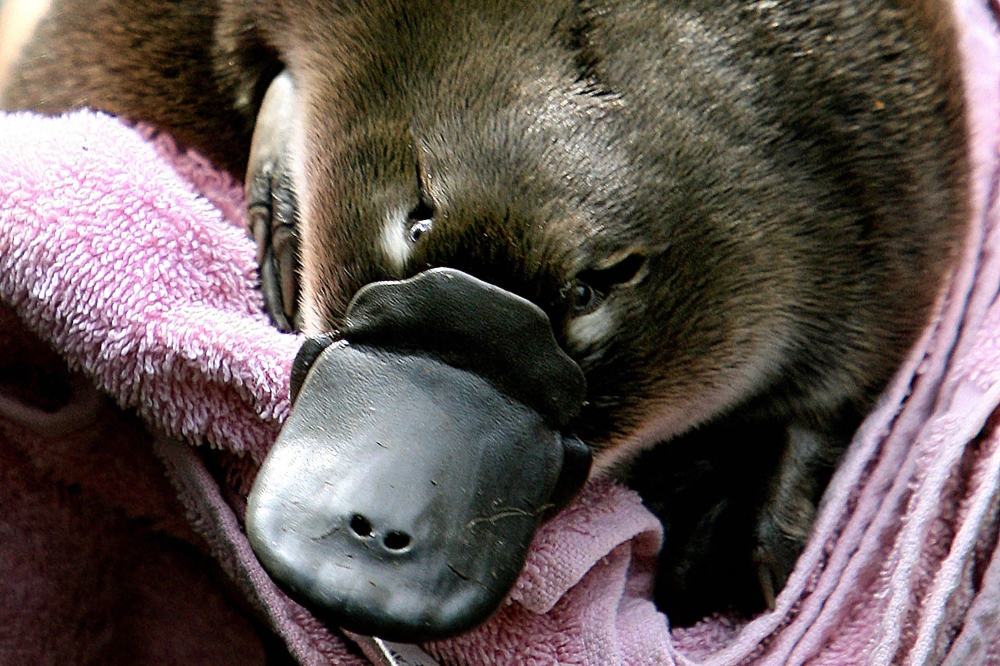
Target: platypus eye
[421,220]
[592,286]
[584,298]
[418,229]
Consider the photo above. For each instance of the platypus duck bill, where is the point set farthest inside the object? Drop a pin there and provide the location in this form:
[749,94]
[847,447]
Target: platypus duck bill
[424,448]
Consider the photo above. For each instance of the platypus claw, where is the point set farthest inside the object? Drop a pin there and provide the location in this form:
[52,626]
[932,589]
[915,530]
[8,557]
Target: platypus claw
[271,205]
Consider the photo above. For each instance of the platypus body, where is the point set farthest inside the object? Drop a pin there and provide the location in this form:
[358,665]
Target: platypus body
[735,216]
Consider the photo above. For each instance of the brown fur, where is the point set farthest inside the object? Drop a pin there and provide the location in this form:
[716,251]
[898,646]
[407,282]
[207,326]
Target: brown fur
[787,179]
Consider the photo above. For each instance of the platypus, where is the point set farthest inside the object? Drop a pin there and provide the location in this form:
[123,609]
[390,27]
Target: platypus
[719,225]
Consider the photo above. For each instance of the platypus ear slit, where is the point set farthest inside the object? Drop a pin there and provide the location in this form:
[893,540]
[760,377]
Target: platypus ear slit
[421,212]
[628,269]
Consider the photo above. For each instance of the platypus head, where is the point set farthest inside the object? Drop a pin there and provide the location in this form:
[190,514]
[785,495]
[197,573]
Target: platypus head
[580,188]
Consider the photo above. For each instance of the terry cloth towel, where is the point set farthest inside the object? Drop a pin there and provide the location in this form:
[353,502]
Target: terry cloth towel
[140,387]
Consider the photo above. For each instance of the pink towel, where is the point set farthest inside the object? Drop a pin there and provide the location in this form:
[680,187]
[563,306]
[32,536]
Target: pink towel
[132,343]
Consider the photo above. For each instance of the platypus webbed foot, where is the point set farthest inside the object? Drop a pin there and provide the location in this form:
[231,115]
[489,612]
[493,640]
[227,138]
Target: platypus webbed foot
[271,204]
[778,547]
[789,509]
[738,499]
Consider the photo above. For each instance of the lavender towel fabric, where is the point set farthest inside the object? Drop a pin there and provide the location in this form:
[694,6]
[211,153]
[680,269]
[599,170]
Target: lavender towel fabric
[133,350]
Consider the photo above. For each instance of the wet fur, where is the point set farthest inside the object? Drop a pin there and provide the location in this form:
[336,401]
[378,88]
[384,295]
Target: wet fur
[790,175]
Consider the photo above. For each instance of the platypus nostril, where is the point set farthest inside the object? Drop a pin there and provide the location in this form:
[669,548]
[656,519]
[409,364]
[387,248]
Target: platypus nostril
[397,541]
[361,526]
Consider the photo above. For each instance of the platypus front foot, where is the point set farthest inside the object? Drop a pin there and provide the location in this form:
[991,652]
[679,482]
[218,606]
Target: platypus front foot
[271,204]
[789,510]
